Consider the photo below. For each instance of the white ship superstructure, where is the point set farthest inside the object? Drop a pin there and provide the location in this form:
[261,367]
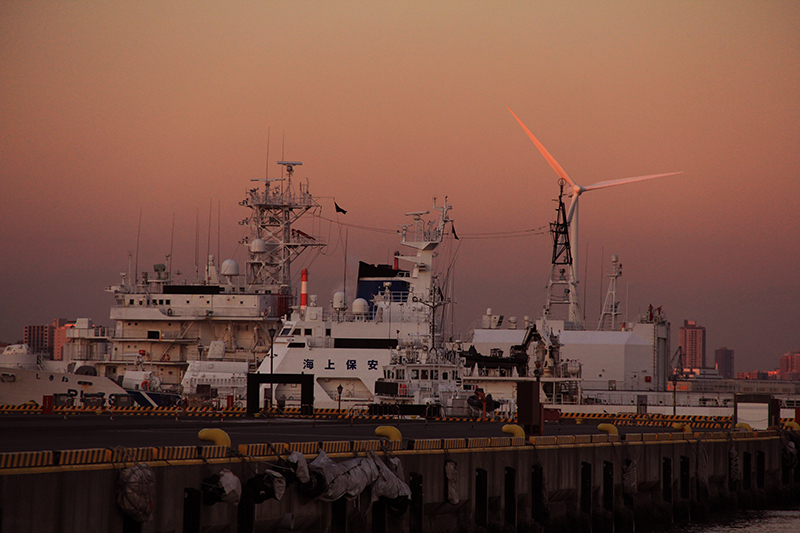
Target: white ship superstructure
[346,346]
[24,378]
[164,324]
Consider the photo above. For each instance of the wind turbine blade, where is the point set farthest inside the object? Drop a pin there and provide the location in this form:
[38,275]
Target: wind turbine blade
[621,181]
[550,159]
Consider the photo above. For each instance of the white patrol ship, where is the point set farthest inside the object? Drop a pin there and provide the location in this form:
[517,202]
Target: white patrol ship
[346,347]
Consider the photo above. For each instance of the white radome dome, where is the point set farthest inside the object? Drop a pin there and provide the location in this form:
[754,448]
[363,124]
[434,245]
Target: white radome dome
[258,246]
[360,306]
[339,300]
[229,268]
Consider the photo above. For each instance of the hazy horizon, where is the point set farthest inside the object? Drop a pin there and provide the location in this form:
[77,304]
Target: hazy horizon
[112,108]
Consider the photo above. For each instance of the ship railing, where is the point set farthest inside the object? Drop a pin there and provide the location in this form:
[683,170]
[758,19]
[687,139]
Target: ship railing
[564,399]
[83,352]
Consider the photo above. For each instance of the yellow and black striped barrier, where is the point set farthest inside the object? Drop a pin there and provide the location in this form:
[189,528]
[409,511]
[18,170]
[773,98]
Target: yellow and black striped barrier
[25,459]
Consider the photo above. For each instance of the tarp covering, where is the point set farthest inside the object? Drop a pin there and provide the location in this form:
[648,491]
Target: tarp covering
[350,478]
[388,484]
[265,486]
[451,474]
[298,460]
[136,491]
[222,487]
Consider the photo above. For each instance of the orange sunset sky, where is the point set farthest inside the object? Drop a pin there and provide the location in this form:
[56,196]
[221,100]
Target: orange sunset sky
[108,108]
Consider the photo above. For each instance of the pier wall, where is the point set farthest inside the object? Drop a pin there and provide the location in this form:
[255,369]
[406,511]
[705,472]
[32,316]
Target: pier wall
[551,483]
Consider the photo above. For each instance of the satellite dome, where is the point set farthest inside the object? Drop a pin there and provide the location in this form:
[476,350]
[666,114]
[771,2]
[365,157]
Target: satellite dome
[360,306]
[258,246]
[339,302]
[229,268]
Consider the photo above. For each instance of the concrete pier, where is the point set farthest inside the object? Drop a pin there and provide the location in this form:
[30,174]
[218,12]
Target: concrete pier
[552,483]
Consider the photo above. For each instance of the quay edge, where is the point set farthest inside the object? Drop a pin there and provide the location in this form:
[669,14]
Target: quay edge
[562,483]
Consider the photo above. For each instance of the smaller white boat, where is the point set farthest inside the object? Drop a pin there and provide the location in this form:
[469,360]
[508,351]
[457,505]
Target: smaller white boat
[22,381]
[428,382]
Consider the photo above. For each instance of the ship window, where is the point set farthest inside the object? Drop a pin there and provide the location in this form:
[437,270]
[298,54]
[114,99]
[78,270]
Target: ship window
[130,302]
[161,302]
[434,374]
[296,332]
[168,302]
[401,374]
[444,376]
[414,373]
[285,331]
[424,373]
[328,332]
[308,332]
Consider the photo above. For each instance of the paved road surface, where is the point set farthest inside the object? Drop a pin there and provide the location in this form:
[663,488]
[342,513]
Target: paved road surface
[44,432]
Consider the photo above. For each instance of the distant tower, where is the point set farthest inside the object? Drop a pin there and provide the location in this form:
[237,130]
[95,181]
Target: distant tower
[723,358]
[692,340]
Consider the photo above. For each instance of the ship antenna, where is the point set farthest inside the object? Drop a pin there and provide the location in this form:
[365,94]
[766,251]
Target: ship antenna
[171,242]
[208,239]
[344,283]
[267,165]
[136,263]
[196,243]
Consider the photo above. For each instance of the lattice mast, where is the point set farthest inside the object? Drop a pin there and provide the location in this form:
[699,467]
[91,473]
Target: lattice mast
[611,313]
[273,242]
[562,288]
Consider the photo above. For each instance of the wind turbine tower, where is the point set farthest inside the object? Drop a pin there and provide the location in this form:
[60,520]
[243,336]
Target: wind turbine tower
[572,213]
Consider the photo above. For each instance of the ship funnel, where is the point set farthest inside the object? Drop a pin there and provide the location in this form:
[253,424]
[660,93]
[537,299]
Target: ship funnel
[303,289]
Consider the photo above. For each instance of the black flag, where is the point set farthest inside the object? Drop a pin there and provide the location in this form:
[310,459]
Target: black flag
[339,209]
[454,232]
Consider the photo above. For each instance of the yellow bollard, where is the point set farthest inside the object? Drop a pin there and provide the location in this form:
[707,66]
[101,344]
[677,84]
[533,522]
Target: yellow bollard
[611,429]
[390,432]
[217,436]
[514,430]
[682,426]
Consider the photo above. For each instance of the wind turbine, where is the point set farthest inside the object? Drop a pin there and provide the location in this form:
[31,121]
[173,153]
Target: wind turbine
[577,190]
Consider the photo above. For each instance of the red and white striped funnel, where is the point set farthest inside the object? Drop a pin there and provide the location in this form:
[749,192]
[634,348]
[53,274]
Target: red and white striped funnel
[303,289]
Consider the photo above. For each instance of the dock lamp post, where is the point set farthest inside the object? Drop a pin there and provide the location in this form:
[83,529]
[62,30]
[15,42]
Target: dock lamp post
[272,332]
[674,394]
[339,389]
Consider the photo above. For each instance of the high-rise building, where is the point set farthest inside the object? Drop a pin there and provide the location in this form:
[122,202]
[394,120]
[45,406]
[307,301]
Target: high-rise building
[692,340]
[723,358]
[60,327]
[790,366]
[39,339]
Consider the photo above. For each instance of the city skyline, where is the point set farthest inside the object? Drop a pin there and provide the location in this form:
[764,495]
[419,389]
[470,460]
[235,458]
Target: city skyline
[112,109]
